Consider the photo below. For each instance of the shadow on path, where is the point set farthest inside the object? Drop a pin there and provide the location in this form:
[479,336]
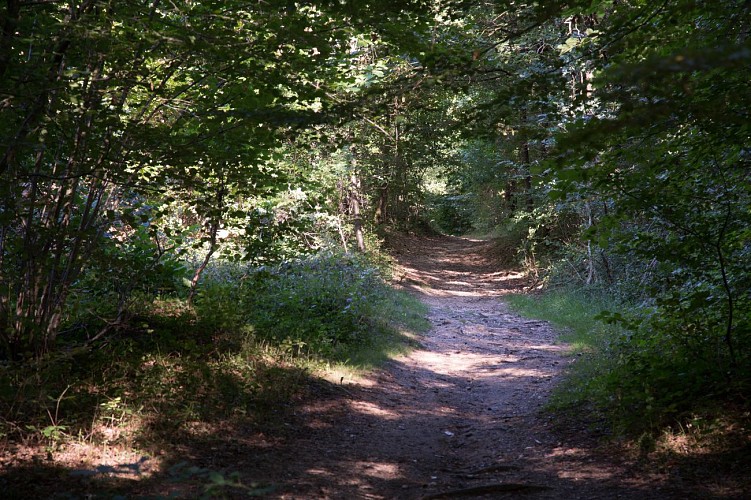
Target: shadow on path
[459,417]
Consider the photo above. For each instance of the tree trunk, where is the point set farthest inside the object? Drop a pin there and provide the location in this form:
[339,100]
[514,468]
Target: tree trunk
[527,176]
[214,225]
[509,196]
[355,207]
[382,204]
[526,163]
[213,229]
[591,272]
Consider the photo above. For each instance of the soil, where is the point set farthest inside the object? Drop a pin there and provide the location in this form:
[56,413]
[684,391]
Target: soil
[460,416]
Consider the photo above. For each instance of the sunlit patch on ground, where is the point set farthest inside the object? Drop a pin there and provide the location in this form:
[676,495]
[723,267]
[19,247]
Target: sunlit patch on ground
[380,470]
[372,409]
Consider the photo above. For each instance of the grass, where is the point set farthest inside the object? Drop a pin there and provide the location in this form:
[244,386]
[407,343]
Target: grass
[402,318]
[575,312]
[603,388]
[641,380]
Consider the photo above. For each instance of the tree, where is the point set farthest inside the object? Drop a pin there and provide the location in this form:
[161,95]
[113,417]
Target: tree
[105,104]
[666,143]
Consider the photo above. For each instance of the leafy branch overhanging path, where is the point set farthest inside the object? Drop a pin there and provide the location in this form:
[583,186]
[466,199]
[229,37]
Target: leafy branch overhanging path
[461,415]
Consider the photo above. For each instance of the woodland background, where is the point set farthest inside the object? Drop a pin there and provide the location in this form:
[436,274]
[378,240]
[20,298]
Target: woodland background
[194,195]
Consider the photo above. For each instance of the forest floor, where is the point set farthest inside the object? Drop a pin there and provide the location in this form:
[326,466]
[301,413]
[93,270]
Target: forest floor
[460,416]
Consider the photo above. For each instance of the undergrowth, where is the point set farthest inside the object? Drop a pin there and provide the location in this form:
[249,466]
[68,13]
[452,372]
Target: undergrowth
[668,411]
[575,312]
[641,382]
[246,351]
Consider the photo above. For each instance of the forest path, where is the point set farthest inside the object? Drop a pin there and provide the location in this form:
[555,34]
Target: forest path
[460,416]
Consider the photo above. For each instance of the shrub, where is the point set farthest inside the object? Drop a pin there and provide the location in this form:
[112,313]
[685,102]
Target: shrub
[643,367]
[319,303]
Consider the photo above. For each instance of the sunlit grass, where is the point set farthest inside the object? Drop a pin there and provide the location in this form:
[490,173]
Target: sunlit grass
[574,312]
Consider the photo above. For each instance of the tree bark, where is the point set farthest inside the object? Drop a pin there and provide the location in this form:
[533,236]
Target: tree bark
[382,204]
[591,272]
[527,176]
[214,225]
[355,207]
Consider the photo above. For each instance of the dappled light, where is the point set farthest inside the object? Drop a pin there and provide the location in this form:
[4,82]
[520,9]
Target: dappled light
[462,409]
[440,275]
[375,249]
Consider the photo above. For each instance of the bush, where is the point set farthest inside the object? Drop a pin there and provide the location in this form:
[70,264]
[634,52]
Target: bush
[320,303]
[323,305]
[643,374]
[122,276]
[450,214]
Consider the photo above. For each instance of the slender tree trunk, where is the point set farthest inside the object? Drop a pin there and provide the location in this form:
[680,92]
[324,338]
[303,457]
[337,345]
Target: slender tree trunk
[591,273]
[509,196]
[382,204]
[341,233]
[527,176]
[729,296]
[214,225]
[213,229]
[526,163]
[355,207]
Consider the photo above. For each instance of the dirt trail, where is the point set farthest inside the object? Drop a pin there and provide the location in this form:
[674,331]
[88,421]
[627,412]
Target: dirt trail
[459,416]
